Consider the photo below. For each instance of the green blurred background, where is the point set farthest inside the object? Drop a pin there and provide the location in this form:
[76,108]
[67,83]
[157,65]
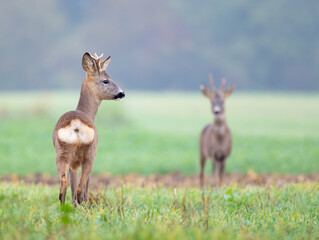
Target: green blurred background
[161,52]
[151,132]
[161,44]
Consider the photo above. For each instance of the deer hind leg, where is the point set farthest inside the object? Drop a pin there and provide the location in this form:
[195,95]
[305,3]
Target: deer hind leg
[86,191]
[84,181]
[73,183]
[63,176]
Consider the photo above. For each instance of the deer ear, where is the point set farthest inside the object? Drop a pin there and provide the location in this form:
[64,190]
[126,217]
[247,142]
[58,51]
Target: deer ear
[105,63]
[206,92]
[229,91]
[88,63]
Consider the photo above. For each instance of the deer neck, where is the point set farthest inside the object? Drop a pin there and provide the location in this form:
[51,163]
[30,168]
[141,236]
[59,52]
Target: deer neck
[88,102]
[220,121]
[220,127]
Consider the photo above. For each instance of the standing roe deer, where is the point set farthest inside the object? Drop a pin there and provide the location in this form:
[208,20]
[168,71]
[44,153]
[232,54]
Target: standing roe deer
[75,136]
[215,139]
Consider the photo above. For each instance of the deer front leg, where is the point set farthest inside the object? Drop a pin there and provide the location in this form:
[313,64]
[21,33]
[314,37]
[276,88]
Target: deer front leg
[73,183]
[218,170]
[84,181]
[62,171]
[218,165]
[221,167]
[202,167]
[215,174]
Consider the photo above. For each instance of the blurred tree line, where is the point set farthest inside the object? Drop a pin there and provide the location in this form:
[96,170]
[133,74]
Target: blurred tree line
[165,44]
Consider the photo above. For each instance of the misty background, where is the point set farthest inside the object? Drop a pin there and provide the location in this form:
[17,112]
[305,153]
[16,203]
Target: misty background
[161,45]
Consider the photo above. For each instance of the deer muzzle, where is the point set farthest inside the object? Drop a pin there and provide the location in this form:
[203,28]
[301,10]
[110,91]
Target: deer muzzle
[217,110]
[118,96]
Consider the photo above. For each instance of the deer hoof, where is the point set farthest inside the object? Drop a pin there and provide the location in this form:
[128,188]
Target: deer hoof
[62,198]
[80,196]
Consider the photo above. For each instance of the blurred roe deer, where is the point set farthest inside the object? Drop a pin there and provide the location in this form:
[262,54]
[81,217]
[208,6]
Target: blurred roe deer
[75,136]
[215,139]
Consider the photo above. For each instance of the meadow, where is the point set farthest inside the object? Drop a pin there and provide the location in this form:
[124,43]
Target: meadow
[149,133]
[233,212]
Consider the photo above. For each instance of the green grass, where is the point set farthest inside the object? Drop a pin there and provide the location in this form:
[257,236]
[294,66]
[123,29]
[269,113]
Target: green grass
[233,212]
[158,132]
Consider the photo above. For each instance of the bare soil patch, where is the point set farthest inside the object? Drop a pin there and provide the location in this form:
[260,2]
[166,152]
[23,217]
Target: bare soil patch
[170,180]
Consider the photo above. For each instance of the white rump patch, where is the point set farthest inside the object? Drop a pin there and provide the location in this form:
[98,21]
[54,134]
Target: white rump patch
[76,133]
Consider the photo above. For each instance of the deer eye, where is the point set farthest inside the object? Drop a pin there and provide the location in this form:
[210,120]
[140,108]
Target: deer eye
[106,81]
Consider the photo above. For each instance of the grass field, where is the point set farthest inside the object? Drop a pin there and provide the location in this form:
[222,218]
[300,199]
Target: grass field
[149,133]
[289,212]
[157,133]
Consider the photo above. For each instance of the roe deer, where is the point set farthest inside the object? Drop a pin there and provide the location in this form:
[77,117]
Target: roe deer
[215,139]
[75,136]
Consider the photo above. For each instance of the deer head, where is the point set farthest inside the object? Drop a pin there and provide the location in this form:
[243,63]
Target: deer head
[217,96]
[97,79]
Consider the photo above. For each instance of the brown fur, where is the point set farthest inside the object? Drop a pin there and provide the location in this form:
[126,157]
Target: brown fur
[69,157]
[215,139]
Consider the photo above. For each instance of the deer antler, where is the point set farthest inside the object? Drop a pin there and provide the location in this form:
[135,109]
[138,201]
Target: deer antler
[222,85]
[210,77]
[98,57]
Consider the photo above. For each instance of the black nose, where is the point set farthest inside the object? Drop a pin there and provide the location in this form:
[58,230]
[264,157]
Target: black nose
[119,95]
